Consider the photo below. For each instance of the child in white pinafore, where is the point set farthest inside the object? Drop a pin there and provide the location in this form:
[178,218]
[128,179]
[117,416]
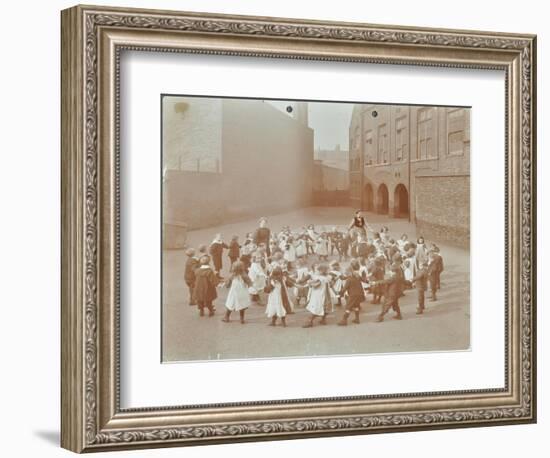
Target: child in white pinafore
[321,247]
[319,296]
[402,244]
[289,252]
[238,298]
[302,275]
[258,277]
[278,304]
[301,247]
[336,283]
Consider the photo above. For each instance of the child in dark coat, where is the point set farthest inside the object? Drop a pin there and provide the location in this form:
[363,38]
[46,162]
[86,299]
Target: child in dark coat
[189,276]
[353,288]
[437,261]
[421,283]
[343,248]
[376,275]
[234,249]
[364,248]
[205,286]
[394,288]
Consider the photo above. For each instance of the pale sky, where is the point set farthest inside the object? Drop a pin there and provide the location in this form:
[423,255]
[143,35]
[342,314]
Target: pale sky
[329,121]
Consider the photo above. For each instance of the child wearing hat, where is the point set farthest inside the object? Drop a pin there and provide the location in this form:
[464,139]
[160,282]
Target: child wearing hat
[202,250]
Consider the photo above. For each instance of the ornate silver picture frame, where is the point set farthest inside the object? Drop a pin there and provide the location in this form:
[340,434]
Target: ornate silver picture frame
[93,39]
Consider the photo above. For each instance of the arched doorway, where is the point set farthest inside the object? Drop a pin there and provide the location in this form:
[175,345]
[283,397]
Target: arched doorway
[368,198]
[401,201]
[382,199]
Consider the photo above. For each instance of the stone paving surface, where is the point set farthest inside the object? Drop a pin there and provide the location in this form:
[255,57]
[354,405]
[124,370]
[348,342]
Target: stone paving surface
[445,325]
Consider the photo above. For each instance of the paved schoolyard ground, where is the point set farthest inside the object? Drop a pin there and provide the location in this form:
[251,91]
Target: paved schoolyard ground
[445,326]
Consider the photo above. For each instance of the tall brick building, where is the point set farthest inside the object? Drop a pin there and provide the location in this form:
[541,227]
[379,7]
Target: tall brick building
[413,162]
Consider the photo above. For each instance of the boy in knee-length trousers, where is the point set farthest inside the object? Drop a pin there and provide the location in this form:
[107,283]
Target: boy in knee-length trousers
[353,287]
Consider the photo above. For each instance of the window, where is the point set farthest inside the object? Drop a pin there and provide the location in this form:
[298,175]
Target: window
[369,152]
[455,132]
[383,147]
[426,146]
[400,138]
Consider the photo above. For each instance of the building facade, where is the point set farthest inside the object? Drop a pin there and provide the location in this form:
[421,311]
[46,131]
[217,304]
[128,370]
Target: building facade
[401,155]
[228,159]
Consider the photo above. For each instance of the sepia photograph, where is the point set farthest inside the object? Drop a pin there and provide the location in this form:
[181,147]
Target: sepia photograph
[306,228]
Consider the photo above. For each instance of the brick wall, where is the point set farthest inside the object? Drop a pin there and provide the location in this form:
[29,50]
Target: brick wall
[265,167]
[193,199]
[191,134]
[330,178]
[443,209]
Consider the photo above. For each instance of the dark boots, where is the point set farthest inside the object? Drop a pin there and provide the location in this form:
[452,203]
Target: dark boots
[344,320]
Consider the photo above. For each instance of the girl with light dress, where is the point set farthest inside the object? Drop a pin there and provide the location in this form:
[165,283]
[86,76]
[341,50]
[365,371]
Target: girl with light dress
[319,296]
[301,247]
[409,267]
[257,276]
[421,254]
[385,234]
[289,253]
[336,284]
[278,303]
[301,277]
[321,247]
[402,244]
[238,298]
[311,238]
